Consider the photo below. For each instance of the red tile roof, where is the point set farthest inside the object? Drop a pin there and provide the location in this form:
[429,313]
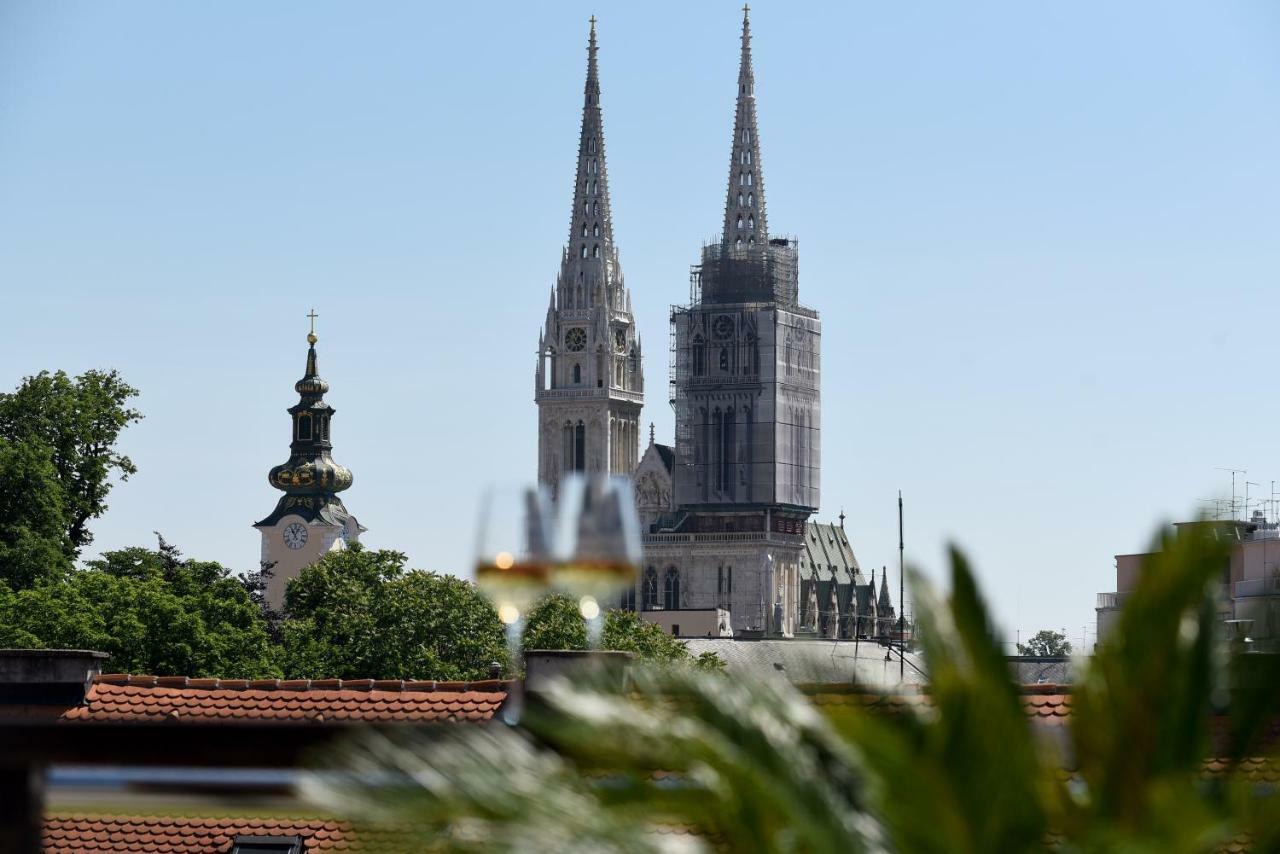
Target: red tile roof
[117,697]
[1045,704]
[84,834]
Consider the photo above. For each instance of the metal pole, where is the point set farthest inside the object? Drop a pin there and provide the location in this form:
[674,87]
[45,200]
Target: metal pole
[902,603]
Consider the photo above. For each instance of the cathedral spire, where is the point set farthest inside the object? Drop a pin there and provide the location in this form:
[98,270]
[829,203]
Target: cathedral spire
[591,223]
[744,211]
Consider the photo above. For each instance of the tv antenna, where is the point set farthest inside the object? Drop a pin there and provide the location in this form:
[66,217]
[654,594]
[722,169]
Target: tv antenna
[1234,472]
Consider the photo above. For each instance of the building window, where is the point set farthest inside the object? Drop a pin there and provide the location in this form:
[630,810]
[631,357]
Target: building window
[595,251]
[577,373]
[584,250]
[748,179]
[628,600]
[267,845]
[324,427]
[739,222]
[580,447]
[595,231]
[650,589]
[751,200]
[304,427]
[584,229]
[724,358]
[671,590]
[751,222]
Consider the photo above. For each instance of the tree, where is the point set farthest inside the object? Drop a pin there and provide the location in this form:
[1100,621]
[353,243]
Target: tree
[34,543]
[556,624]
[359,613]
[78,421]
[151,610]
[1045,643]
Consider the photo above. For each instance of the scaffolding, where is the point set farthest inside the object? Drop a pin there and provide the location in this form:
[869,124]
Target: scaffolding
[742,338]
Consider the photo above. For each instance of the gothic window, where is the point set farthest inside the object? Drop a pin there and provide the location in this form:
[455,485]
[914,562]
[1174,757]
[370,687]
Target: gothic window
[729,579]
[671,590]
[730,441]
[739,199]
[591,146]
[580,447]
[739,222]
[746,134]
[304,427]
[751,222]
[586,207]
[584,229]
[584,250]
[742,179]
[595,231]
[748,179]
[751,200]
[724,358]
[649,590]
[699,358]
[595,251]
[717,435]
[577,374]
[600,373]
[628,600]
[747,156]
[751,241]
[595,208]
[738,242]
[593,187]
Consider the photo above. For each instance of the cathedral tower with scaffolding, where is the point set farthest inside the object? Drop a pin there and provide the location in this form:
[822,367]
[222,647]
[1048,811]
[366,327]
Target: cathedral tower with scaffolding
[745,369]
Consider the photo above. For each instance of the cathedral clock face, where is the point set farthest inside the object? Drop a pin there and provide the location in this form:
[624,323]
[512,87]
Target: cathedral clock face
[722,327]
[295,536]
[575,340]
[620,340]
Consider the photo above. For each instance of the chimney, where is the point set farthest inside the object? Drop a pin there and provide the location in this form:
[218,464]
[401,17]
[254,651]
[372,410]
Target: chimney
[544,665]
[47,677]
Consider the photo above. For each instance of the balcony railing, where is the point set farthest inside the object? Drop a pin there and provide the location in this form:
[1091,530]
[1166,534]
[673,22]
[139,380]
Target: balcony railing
[725,537]
[1257,587]
[1108,600]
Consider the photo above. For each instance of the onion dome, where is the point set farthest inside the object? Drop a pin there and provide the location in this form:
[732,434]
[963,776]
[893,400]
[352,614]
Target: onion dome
[310,478]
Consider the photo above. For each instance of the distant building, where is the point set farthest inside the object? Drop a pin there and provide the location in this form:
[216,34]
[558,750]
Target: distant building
[589,383]
[310,519]
[1249,585]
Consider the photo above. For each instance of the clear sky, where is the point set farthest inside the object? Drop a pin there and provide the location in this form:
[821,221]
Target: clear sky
[1044,239]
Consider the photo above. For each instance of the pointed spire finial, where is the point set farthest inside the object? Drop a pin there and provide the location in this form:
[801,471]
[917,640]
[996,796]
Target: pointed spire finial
[650,432]
[842,518]
[744,210]
[311,336]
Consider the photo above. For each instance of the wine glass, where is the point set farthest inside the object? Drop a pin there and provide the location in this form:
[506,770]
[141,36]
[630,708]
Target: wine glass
[597,545]
[513,563]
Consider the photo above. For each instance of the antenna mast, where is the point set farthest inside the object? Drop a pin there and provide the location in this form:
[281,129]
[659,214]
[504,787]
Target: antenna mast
[902,602]
[1234,472]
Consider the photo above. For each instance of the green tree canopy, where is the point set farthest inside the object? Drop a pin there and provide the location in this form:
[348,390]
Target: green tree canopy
[78,422]
[151,610]
[556,624]
[1045,643]
[34,543]
[360,613]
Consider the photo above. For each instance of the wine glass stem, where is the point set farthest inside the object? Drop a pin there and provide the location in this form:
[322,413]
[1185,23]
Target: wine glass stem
[595,631]
[512,709]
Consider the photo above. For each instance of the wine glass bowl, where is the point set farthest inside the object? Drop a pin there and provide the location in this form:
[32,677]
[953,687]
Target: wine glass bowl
[513,556]
[598,544]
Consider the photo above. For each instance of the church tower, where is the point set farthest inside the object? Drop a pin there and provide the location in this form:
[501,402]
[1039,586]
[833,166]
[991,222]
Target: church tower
[746,361]
[745,390]
[309,520]
[589,385]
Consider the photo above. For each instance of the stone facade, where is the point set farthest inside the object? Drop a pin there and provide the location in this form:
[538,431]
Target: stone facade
[589,382]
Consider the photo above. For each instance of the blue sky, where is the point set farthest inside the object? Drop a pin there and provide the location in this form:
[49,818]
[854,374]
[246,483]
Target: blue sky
[1043,239]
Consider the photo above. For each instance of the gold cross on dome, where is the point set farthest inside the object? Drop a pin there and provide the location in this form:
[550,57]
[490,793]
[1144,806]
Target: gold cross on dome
[313,317]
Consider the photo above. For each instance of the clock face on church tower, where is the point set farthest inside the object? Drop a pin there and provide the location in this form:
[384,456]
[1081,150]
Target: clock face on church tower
[295,536]
[575,340]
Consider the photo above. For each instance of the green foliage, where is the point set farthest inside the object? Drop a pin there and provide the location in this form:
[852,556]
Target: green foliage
[556,624]
[359,613]
[1045,643]
[77,422]
[755,766]
[34,544]
[150,610]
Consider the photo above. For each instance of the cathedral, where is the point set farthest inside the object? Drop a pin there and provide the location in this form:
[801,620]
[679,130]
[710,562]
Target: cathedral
[727,508]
